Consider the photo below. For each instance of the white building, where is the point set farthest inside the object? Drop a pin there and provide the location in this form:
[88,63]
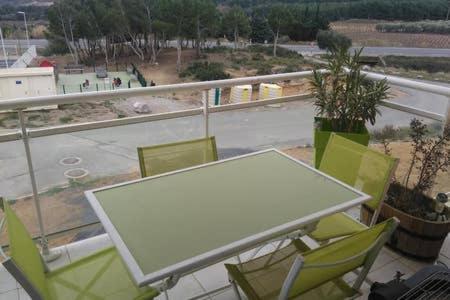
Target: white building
[26,82]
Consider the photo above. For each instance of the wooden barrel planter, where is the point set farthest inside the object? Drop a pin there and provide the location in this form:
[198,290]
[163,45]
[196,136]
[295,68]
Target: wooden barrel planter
[414,236]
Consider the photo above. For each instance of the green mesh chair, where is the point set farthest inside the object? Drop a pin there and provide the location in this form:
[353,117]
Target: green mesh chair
[98,276]
[366,170]
[296,272]
[165,158]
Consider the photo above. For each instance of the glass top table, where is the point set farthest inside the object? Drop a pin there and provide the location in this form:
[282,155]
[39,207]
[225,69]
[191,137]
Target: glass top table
[178,222]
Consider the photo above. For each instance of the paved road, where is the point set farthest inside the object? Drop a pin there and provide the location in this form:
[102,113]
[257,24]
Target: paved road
[113,151]
[377,51]
[373,51]
[39,43]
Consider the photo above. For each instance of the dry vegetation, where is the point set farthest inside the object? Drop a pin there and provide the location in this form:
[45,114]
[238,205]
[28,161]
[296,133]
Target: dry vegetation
[364,33]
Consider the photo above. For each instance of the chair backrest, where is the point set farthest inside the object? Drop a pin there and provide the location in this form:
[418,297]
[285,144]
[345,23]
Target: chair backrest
[165,158]
[359,166]
[25,262]
[333,260]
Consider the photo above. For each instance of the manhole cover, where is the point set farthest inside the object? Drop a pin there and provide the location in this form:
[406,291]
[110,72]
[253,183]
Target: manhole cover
[76,173]
[70,161]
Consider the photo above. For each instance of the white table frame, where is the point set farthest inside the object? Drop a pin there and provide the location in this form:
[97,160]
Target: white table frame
[216,255]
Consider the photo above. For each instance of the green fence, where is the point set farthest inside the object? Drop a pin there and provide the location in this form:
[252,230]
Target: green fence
[94,87]
[139,75]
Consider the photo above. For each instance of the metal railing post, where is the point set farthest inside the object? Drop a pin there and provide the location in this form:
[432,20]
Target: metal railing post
[447,116]
[47,255]
[206,111]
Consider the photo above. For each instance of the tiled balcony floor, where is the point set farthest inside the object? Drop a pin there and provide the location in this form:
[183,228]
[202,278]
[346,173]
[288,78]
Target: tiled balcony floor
[384,269]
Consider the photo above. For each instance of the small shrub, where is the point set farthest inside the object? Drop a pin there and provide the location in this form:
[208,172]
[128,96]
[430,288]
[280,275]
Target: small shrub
[430,156]
[218,49]
[290,69]
[206,71]
[65,120]
[388,132]
[257,57]
[239,59]
[281,52]
[332,40]
[54,190]
[34,117]
[235,66]
[11,116]
[264,69]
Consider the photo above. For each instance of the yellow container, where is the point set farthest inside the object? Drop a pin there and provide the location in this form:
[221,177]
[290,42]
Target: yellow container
[241,93]
[269,91]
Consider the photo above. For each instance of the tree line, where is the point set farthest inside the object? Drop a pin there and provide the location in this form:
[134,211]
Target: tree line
[112,28]
[8,12]
[88,28]
[405,10]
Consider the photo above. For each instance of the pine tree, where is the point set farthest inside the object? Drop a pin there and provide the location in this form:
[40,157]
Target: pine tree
[261,31]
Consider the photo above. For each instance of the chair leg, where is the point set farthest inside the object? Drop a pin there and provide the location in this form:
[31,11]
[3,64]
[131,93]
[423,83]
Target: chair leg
[366,280]
[235,289]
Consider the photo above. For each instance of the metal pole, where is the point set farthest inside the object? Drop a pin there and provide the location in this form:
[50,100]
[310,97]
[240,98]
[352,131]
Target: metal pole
[26,27]
[19,46]
[44,242]
[26,31]
[4,50]
[206,111]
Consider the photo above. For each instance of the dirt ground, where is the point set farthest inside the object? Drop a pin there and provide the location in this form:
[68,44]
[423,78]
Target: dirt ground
[400,150]
[162,73]
[363,33]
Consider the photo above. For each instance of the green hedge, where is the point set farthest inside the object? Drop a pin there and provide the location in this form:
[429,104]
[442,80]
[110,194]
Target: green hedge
[332,40]
[429,64]
[205,71]
[438,27]
[139,76]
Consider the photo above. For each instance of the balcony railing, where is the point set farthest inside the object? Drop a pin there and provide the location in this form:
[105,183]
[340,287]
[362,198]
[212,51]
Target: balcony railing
[201,117]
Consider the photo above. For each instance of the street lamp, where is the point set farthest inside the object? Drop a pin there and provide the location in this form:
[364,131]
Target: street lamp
[26,26]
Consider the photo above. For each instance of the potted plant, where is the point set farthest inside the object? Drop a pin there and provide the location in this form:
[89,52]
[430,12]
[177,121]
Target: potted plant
[345,100]
[424,223]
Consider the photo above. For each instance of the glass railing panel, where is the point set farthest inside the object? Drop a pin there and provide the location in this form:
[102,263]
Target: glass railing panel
[15,182]
[392,135]
[282,126]
[66,165]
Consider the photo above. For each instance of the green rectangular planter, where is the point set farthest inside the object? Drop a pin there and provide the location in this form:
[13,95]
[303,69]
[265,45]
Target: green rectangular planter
[322,134]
